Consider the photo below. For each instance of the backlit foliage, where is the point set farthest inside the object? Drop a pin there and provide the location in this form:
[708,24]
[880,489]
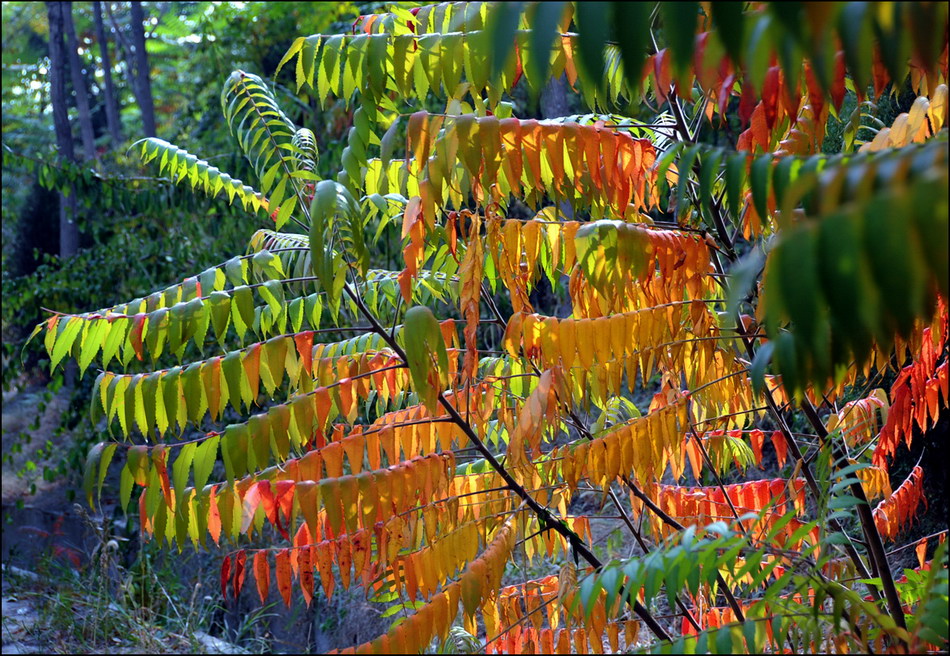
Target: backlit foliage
[417,429]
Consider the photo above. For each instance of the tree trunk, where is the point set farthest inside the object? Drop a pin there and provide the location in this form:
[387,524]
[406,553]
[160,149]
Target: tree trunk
[112,106]
[79,83]
[142,83]
[554,98]
[68,231]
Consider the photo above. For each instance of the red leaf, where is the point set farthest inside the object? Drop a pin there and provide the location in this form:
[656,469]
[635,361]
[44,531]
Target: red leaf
[158,459]
[815,96]
[284,493]
[837,82]
[725,92]
[518,69]
[770,96]
[746,104]
[225,576]
[240,560]
[269,502]
[138,323]
[662,75]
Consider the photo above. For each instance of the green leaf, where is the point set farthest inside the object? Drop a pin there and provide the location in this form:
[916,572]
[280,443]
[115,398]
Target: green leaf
[220,303]
[180,469]
[735,179]
[593,27]
[322,208]
[234,450]
[64,340]
[679,26]
[757,372]
[242,310]
[707,178]
[782,177]
[759,50]
[235,270]
[91,470]
[286,210]
[850,300]
[786,362]
[730,27]
[895,260]
[742,278]
[194,395]
[233,371]
[544,26]
[423,338]
[205,457]
[273,294]
[797,281]
[854,26]
[294,49]
[387,144]
[759,181]
[684,168]
[91,343]
[125,488]
[631,30]
[503,25]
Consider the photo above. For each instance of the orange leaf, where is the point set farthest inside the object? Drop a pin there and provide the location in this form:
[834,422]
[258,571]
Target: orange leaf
[322,405]
[306,573]
[214,516]
[757,438]
[921,551]
[324,557]
[343,556]
[262,574]
[354,446]
[333,459]
[781,448]
[417,139]
[282,565]
[304,342]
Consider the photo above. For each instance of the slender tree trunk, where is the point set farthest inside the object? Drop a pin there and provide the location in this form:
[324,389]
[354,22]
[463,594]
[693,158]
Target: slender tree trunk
[142,82]
[68,231]
[79,83]
[112,106]
[553,101]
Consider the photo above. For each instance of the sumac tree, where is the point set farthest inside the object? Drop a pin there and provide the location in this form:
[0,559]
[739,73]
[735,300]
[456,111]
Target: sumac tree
[725,291]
